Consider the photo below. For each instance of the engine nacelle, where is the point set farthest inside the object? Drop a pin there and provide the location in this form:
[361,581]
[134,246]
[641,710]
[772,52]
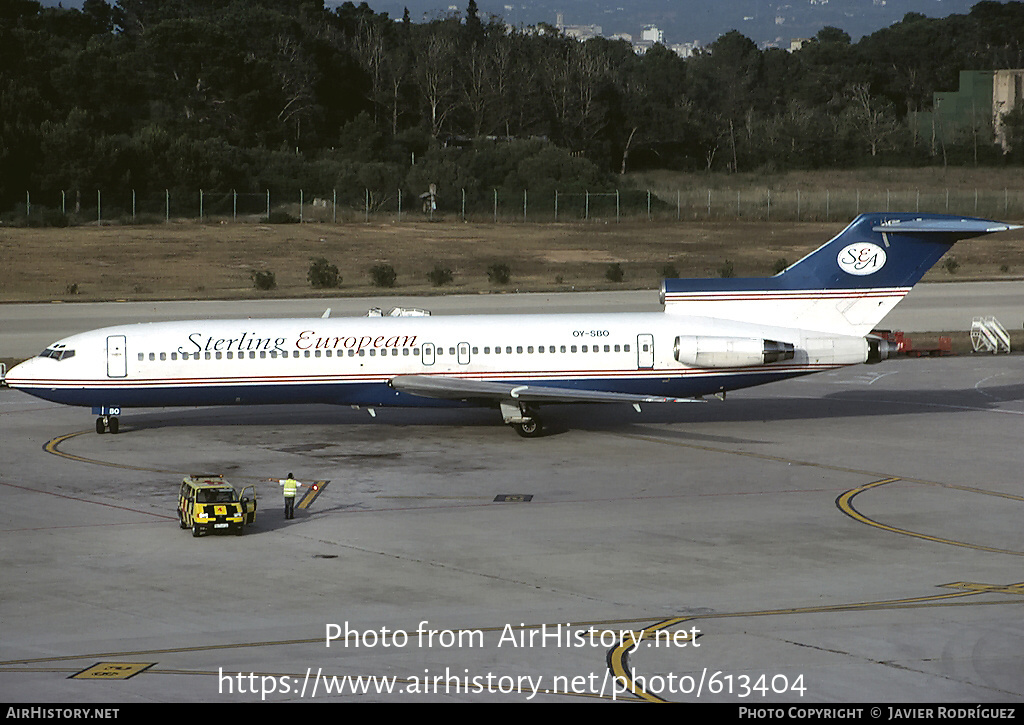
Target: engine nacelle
[709,351]
[880,349]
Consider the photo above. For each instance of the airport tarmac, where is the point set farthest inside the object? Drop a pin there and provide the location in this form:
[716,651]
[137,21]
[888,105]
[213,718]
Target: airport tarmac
[852,536]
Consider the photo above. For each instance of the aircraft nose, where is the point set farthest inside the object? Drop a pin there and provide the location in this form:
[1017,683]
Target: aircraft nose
[22,373]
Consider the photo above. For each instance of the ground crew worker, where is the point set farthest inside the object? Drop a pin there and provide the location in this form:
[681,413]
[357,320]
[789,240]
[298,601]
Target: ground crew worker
[291,487]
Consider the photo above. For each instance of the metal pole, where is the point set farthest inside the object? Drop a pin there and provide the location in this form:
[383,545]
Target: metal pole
[586,208]
[28,204]
[268,204]
[648,204]
[463,204]
[167,205]
[366,207]
[63,209]
[524,206]
[133,206]
[99,207]
[616,206]
[495,206]
[200,205]
[556,205]
[234,205]
[302,200]
[334,207]
[399,205]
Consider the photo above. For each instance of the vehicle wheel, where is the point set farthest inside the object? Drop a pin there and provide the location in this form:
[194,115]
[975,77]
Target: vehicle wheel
[181,521]
[529,428]
[101,427]
[196,531]
[240,530]
[113,425]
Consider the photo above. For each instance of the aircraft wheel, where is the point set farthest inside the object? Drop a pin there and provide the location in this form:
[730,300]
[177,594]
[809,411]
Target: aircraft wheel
[113,425]
[101,427]
[529,428]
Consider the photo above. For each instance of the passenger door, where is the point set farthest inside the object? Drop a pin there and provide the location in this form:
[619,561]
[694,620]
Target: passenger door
[645,351]
[117,361]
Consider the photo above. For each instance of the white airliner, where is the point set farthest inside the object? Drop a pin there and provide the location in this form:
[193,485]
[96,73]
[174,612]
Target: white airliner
[713,336]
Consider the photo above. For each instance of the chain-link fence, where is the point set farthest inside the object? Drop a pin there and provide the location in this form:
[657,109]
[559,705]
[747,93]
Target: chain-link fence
[50,208]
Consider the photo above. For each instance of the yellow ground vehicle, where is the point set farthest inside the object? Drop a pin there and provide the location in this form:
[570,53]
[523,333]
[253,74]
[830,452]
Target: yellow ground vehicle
[209,503]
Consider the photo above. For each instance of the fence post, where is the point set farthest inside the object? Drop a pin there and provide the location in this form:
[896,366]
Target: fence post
[200,205]
[463,204]
[586,207]
[63,206]
[99,208]
[495,206]
[133,206]
[334,207]
[524,206]
[399,205]
[28,204]
[268,205]
[769,214]
[556,205]
[167,206]
[301,204]
[616,206]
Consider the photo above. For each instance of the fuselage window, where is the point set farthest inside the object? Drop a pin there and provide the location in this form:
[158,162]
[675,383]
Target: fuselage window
[625,348]
[231,355]
[519,349]
[561,349]
[373,352]
[218,355]
[142,357]
[529,349]
[263,354]
[607,348]
[152,356]
[616,348]
[572,349]
[163,356]
[451,351]
[327,353]
[174,356]
[306,353]
[405,351]
[583,349]
[316,353]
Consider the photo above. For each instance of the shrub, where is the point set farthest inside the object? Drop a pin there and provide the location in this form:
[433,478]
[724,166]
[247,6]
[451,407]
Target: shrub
[499,273]
[281,217]
[951,265]
[614,273]
[780,264]
[669,271]
[322,274]
[383,275]
[439,275]
[263,280]
[727,269]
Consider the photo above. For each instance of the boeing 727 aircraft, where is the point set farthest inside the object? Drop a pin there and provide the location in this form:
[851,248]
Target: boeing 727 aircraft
[714,335]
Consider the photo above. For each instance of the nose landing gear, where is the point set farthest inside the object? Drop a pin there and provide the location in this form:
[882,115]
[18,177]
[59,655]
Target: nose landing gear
[107,423]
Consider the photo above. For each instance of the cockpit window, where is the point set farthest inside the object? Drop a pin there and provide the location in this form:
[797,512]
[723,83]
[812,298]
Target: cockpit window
[57,352]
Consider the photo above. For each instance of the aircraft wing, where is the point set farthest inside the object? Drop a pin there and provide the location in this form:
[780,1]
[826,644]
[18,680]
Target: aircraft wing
[452,388]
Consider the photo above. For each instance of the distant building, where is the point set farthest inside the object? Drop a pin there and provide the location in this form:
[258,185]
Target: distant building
[977,105]
[579,32]
[652,34]
[796,44]
[686,50]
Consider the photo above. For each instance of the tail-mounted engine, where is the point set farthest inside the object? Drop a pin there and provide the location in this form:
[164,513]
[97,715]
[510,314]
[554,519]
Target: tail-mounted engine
[708,351]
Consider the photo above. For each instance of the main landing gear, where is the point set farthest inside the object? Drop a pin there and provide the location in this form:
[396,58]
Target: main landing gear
[523,419]
[107,423]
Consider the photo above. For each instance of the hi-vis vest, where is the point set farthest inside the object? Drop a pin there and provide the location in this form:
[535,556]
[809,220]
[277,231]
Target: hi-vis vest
[290,487]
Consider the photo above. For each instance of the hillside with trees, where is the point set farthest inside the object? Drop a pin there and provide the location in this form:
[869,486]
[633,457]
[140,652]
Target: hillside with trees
[284,95]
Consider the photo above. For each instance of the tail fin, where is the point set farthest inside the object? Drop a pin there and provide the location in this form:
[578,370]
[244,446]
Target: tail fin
[846,286]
